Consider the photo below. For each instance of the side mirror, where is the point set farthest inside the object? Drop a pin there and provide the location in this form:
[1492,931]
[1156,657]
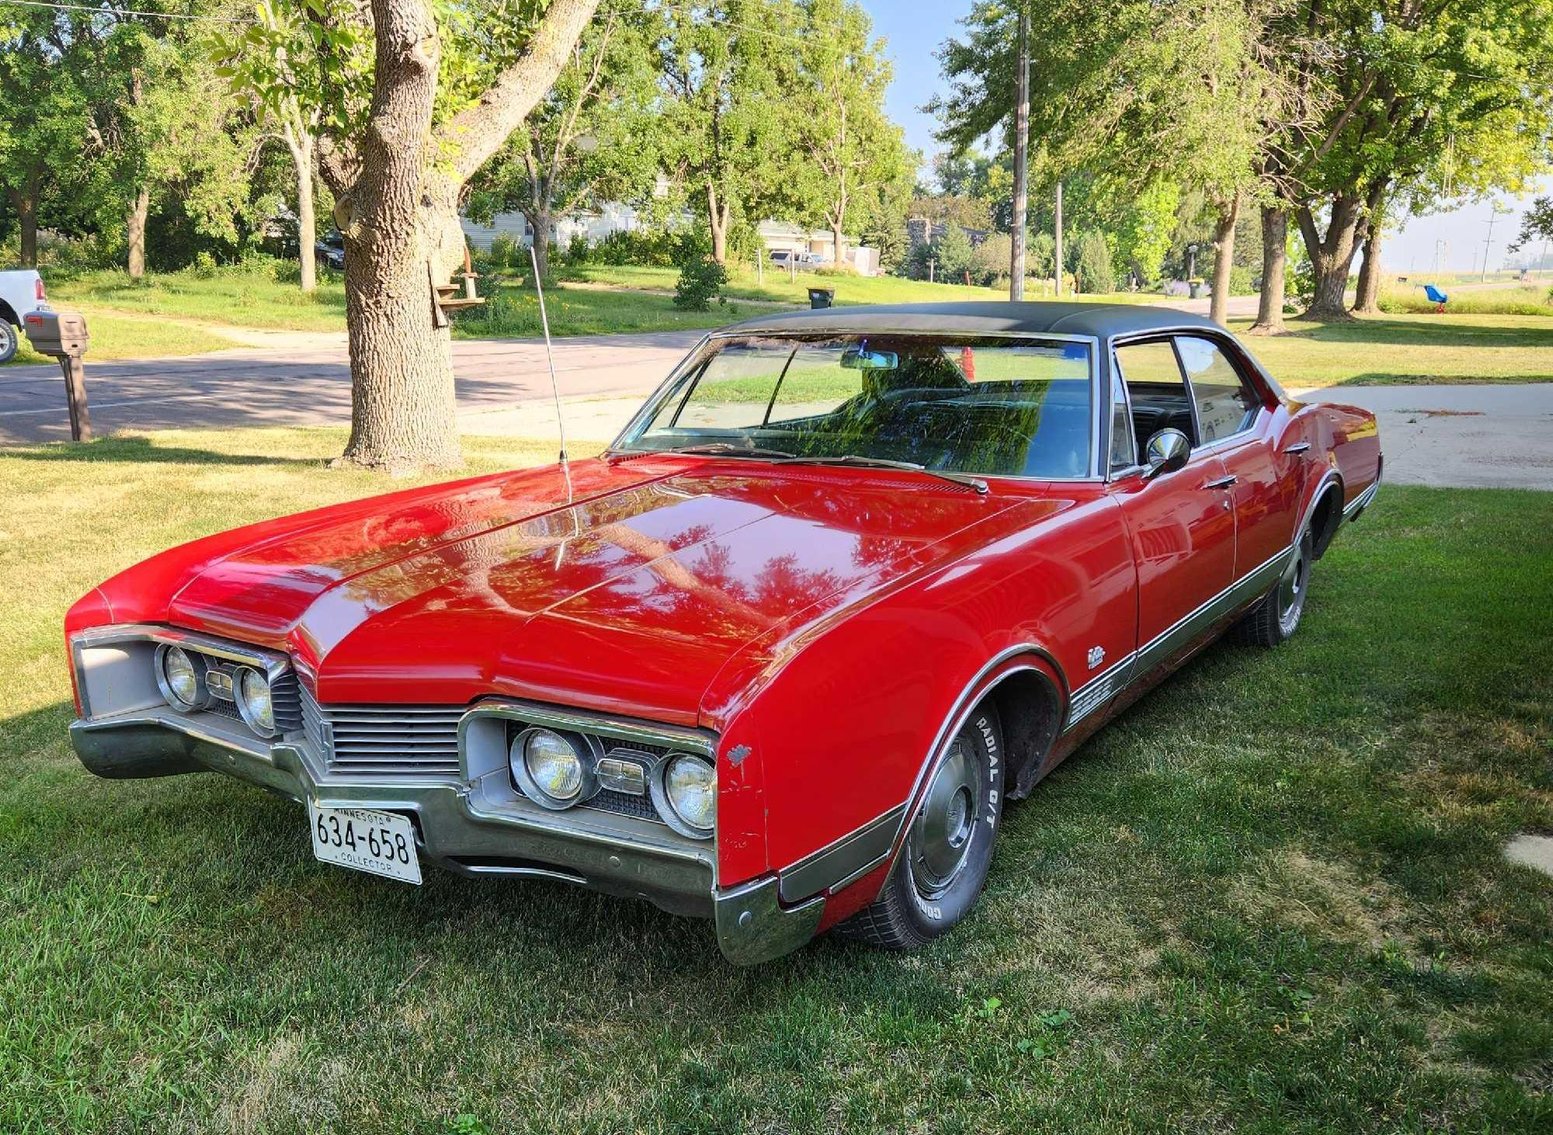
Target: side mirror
[1167,451]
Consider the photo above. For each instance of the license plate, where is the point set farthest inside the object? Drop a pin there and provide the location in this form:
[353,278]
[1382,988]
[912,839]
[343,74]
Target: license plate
[379,843]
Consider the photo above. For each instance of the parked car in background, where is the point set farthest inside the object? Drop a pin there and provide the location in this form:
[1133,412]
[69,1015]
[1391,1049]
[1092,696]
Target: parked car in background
[787,258]
[21,291]
[850,581]
[329,251]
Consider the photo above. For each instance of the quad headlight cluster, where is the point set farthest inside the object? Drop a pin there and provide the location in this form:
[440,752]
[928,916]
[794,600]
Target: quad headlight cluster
[192,682]
[559,769]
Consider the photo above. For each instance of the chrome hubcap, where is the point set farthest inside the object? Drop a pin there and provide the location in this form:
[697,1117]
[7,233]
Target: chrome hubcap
[1291,593]
[941,836]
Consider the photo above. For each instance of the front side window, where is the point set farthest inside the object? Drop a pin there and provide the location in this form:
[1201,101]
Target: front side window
[1157,390]
[963,404]
[1226,404]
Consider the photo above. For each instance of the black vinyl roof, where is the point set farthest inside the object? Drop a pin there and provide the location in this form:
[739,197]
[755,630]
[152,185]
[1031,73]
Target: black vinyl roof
[1101,320]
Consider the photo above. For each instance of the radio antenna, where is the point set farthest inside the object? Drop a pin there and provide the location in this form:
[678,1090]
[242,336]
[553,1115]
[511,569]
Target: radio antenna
[555,384]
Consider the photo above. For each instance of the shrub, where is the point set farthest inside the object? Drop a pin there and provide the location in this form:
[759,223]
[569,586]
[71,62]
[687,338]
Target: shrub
[578,250]
[503,252]
[640,247]
[1092,272]
[701,278]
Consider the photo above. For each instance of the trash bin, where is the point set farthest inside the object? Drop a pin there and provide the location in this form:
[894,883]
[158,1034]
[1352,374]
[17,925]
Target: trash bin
[1196,287]
[821,297]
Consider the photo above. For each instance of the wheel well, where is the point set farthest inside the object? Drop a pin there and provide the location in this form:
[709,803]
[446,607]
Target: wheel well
[8,315]
[1326,517]
[1030,711]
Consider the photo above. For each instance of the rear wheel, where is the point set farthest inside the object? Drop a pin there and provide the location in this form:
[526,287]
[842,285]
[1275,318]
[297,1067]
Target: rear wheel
[8,341]
[1275,619]
[943,863]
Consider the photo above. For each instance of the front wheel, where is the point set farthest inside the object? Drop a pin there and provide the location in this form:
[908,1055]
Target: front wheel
[8,341]
[1274,620]
[942,865]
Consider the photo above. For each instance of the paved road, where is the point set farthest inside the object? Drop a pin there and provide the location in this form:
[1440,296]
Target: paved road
[1469,436]
[303,379]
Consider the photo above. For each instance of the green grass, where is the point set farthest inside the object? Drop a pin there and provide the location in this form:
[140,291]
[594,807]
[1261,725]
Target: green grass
[119,336]
[259,295]
[1406,349]
[1535,298]
[1268,899]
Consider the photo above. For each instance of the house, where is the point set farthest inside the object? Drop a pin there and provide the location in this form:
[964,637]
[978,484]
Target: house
[780,236]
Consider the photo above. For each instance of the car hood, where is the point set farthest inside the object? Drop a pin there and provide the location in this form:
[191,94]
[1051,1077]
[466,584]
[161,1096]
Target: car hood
[627,593]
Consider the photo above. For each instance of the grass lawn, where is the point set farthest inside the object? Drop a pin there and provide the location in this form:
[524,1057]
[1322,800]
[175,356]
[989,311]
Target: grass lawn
[120,336]
[1269,898]
[1392,349]
[239,296]
[1535,298]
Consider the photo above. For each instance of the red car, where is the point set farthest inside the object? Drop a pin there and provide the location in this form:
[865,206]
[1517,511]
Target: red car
[849,581]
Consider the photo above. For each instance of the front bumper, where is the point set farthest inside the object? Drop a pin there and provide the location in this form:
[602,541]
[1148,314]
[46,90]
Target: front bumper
[474,827]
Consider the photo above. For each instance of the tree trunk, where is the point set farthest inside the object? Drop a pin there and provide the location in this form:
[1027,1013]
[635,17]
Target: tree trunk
[838,243]
[395,225]
[135,223]
[539,220]
[301,144]
[1367,298]
[1331,257]
[1275,236]
[25,204]
[1223,259]
[717,219]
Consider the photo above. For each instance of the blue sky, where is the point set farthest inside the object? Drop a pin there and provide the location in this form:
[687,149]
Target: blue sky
[914,30]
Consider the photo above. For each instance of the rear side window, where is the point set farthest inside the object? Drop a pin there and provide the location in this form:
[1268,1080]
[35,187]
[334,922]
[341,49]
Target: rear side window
[1226,404]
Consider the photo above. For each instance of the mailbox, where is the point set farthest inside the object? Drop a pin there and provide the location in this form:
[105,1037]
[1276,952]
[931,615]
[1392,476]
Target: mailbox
[62,334]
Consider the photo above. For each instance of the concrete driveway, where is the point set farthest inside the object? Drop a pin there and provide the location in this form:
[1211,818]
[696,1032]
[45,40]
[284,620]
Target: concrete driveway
[1488,436]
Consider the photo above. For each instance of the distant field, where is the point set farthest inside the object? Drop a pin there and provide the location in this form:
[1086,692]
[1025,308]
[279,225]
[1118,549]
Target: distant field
[1535,298]
[1388,349]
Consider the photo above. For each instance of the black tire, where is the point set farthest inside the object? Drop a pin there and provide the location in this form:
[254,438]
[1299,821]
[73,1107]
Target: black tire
[9,341]
[1277,614]
[924,895]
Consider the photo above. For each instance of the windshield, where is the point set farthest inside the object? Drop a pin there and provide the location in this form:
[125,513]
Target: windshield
[999,406]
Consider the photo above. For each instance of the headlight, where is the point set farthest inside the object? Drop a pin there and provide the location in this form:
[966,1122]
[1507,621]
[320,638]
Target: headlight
[181,678]
[254,702]
[552,768]
[689,788]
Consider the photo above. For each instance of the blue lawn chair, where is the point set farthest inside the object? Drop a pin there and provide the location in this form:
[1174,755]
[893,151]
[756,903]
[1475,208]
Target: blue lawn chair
[1436,297]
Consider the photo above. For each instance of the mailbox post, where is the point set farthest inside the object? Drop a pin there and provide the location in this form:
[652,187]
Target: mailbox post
[63,334]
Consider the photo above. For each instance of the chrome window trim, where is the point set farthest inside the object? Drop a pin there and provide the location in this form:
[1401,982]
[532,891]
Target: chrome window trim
[1096,461]
[1217,338]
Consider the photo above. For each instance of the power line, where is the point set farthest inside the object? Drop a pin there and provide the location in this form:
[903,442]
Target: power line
[95,10]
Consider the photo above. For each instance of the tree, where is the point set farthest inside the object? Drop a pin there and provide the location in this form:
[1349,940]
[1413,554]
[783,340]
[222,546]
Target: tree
[1537,224]
[1133,93]
[732,148]
[291,74]
[398,141]
[853,151]
[42,113]
[1092,265]
[592,138]
[1408,84]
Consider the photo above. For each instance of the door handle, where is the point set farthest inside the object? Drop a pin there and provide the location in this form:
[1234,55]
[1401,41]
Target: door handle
[1222,482]
[1299,447]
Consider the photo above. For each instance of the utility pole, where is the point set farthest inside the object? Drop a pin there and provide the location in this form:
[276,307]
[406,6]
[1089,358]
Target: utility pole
[1057,251]
[1494,213]
[1016,265]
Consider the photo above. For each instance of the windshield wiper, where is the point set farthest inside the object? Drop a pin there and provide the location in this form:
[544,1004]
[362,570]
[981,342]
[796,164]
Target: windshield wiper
[709,449]
[885,463]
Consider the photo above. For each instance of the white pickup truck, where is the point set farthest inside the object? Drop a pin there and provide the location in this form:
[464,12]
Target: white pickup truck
[20,292]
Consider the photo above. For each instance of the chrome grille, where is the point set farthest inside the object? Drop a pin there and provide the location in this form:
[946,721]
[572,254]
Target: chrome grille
[418,741]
